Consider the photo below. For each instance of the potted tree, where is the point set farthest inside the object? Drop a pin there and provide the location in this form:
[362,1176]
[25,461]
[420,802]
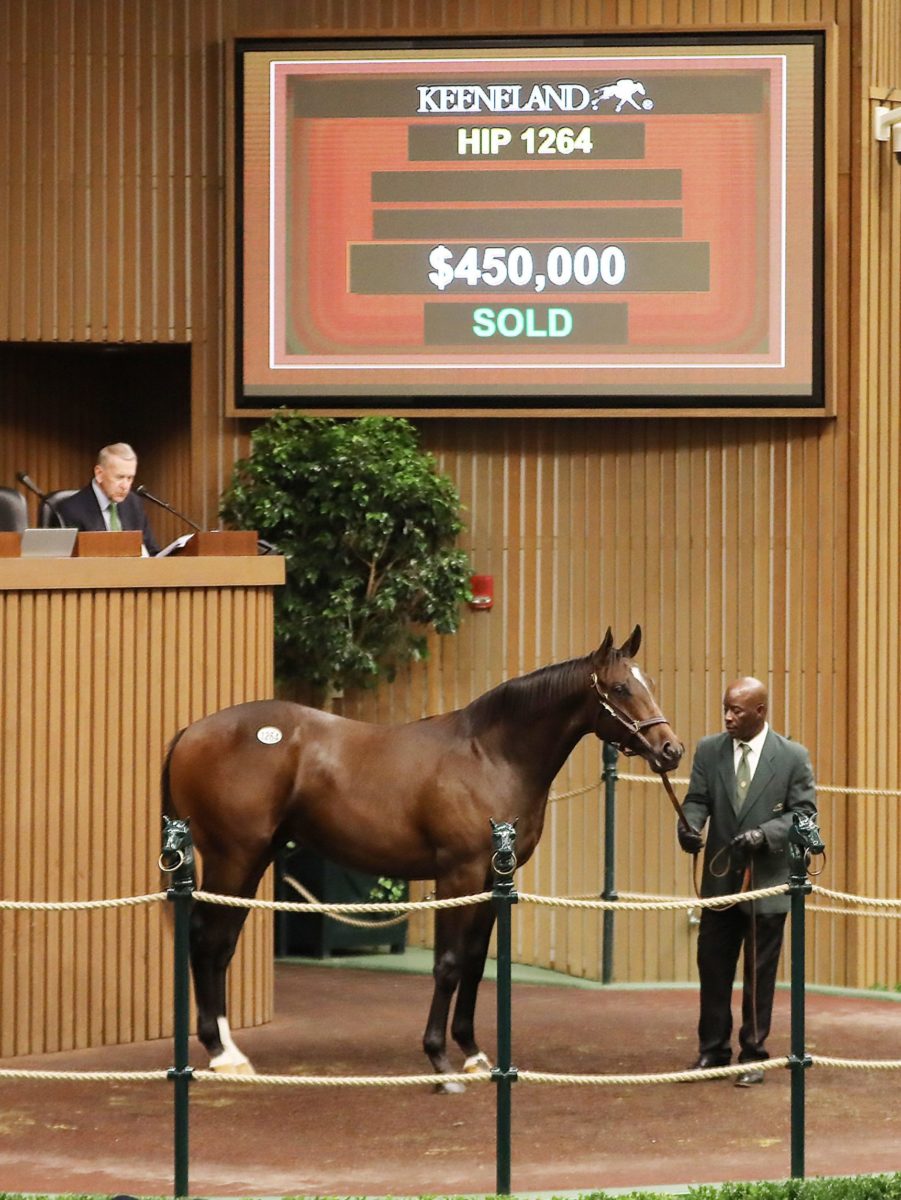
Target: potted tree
[368,528]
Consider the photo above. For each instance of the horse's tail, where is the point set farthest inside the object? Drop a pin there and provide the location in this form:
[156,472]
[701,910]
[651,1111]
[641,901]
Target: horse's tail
[165,783]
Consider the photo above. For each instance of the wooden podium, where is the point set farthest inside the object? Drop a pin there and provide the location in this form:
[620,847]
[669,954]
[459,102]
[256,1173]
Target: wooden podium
[103,660]
[123,543]
[221,543]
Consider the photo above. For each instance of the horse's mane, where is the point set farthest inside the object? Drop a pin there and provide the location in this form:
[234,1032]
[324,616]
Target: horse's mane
[516,698]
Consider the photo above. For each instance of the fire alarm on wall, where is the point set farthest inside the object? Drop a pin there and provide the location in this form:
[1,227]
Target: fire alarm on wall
[482,587]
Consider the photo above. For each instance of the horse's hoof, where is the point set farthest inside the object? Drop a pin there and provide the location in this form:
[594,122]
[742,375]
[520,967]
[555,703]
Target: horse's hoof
[233,1068]
[477,1064]
[452,1088]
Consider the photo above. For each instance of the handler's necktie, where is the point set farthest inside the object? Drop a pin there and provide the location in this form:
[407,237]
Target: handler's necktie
[742,775]
[114,523]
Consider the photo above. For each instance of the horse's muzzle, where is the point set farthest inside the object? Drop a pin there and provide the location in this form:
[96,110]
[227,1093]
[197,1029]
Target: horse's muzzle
[667,757]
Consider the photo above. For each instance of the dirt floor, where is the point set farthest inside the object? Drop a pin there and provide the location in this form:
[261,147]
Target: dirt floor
[267,1141]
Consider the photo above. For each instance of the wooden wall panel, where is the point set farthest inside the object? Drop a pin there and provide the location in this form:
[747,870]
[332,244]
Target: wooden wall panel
[762,545]
[95,679]
[874,832]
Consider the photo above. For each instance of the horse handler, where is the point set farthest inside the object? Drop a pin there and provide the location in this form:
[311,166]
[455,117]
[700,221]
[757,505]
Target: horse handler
[746,785]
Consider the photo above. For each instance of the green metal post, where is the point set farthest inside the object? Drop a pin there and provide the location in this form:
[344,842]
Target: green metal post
[178,859]
[503,864]
[803,838]
[610,757]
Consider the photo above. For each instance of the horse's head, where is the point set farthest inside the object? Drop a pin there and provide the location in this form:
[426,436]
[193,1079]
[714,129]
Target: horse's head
[628,715]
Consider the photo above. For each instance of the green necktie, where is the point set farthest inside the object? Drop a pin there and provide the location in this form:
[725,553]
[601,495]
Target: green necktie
[114,523]
[742,775]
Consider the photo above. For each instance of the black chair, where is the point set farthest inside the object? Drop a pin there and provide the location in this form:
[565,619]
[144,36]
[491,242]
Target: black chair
[13,511]
[47,518]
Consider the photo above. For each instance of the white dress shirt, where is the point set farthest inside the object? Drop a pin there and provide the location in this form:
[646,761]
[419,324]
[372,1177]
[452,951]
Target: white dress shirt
[755,749]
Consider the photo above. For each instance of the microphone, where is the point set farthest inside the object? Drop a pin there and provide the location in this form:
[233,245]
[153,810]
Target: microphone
[25,479]
[141,491]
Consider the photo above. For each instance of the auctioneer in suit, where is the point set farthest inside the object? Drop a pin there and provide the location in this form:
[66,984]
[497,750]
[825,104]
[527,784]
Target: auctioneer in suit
[82,511]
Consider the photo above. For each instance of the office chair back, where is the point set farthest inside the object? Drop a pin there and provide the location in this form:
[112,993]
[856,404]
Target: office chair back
[46,517]
[13,511]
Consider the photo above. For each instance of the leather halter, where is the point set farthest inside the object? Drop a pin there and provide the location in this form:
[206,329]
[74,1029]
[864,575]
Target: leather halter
[633,728]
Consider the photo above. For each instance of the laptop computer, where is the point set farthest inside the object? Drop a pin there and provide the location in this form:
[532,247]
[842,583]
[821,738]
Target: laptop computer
[48,543]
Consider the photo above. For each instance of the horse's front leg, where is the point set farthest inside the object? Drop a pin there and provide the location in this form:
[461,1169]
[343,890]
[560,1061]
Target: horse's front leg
[474,954]
[449,924]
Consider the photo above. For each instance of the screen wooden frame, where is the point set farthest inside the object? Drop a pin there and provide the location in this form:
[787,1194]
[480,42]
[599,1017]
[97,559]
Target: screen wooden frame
[824,200]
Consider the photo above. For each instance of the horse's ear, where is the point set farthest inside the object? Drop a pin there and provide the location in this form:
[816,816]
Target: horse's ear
[630,648]
[606,645]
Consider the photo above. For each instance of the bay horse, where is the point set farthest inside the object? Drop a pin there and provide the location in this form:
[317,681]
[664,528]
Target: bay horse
[412,801]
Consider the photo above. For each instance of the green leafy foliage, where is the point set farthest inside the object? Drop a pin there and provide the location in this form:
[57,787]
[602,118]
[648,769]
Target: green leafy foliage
[368,527]
[386,890]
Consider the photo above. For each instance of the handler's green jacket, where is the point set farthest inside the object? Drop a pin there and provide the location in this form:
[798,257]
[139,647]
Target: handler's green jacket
[782,785]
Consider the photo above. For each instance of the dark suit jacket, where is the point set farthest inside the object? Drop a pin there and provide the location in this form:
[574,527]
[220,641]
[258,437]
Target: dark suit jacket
[782,785]
[81,511]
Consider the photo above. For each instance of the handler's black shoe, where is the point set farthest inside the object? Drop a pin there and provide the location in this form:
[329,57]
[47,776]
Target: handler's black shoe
[706,1063]
[749,1078]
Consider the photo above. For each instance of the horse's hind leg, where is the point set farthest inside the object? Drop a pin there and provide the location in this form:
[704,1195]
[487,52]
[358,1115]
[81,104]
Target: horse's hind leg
[475,951]
[214,934]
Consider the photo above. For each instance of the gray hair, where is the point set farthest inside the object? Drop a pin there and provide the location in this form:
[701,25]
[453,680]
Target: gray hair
[116,450]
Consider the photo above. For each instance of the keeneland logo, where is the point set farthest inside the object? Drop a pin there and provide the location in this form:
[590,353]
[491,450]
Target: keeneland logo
[623,92]
[540,98]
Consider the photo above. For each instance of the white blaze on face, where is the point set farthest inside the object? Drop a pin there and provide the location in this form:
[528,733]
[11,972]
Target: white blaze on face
[640,676]
[231,1056]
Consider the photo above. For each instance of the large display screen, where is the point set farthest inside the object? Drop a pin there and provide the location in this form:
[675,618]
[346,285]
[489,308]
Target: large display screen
[521,226]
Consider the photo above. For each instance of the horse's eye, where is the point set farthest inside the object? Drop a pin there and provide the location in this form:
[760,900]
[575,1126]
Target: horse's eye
[621,689]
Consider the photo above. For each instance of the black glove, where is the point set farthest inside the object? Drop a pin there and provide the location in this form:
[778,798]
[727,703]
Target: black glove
[689,839]
[744,844]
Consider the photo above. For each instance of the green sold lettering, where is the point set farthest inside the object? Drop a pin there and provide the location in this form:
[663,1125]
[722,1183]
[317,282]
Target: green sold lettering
[522,322]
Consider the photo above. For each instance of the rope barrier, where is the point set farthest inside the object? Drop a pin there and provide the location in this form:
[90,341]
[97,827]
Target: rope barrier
[365,1081]
[654,905]
[88,1076]
[836,910]
[390,906]
[857,1064]
[72,905]
[768,1064]
[525,1076]
[828,789]
[627,902]
[871,902]
[308,895]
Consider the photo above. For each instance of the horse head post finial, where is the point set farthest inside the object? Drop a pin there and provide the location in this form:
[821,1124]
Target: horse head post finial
[503,860]
[804,840]
[177,855]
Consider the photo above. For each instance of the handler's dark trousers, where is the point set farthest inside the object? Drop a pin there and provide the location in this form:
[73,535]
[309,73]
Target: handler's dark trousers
[720,939]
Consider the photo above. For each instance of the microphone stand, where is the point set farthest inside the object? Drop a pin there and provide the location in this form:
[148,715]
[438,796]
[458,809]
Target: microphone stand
[32,487]
[141,491]
[263,547]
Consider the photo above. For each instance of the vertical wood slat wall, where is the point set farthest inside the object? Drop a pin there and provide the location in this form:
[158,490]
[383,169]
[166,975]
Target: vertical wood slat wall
[112,177]
[94,683]
[874,754]
[584,500]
